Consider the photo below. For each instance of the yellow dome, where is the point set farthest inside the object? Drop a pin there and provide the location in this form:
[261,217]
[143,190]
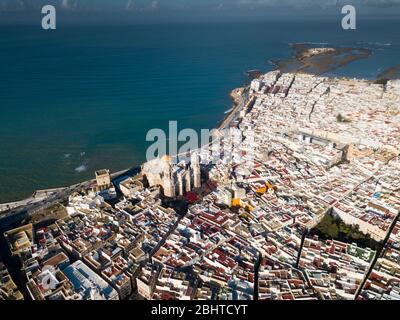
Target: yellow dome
[167,158]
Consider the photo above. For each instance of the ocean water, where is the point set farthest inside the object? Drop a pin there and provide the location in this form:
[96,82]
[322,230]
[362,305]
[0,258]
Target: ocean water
[83,98]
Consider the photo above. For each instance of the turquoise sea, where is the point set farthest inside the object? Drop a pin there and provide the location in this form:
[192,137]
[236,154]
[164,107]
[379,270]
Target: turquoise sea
[82,98]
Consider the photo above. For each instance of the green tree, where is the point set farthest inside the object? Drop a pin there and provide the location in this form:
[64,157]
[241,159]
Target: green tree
[333,231]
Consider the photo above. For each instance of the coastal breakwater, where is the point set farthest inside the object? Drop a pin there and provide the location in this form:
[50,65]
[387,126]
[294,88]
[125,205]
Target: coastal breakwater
[38,196]
[25,208]
[239,97]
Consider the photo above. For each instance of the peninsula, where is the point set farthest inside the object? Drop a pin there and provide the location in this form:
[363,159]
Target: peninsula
[311,147]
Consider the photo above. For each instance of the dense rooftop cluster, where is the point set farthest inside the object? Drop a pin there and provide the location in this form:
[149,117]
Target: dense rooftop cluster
[384,281]
[309,146]
[335,269]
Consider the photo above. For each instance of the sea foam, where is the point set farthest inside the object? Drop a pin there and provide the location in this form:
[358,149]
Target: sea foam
[81,168]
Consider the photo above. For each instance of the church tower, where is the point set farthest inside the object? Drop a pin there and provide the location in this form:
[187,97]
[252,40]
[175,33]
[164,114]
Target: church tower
[195,165]
[168,181]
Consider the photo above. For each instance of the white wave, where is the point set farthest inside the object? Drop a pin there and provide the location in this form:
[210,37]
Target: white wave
[228,111]
[379,44]
[81,168]
[67,155]
[316,43]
